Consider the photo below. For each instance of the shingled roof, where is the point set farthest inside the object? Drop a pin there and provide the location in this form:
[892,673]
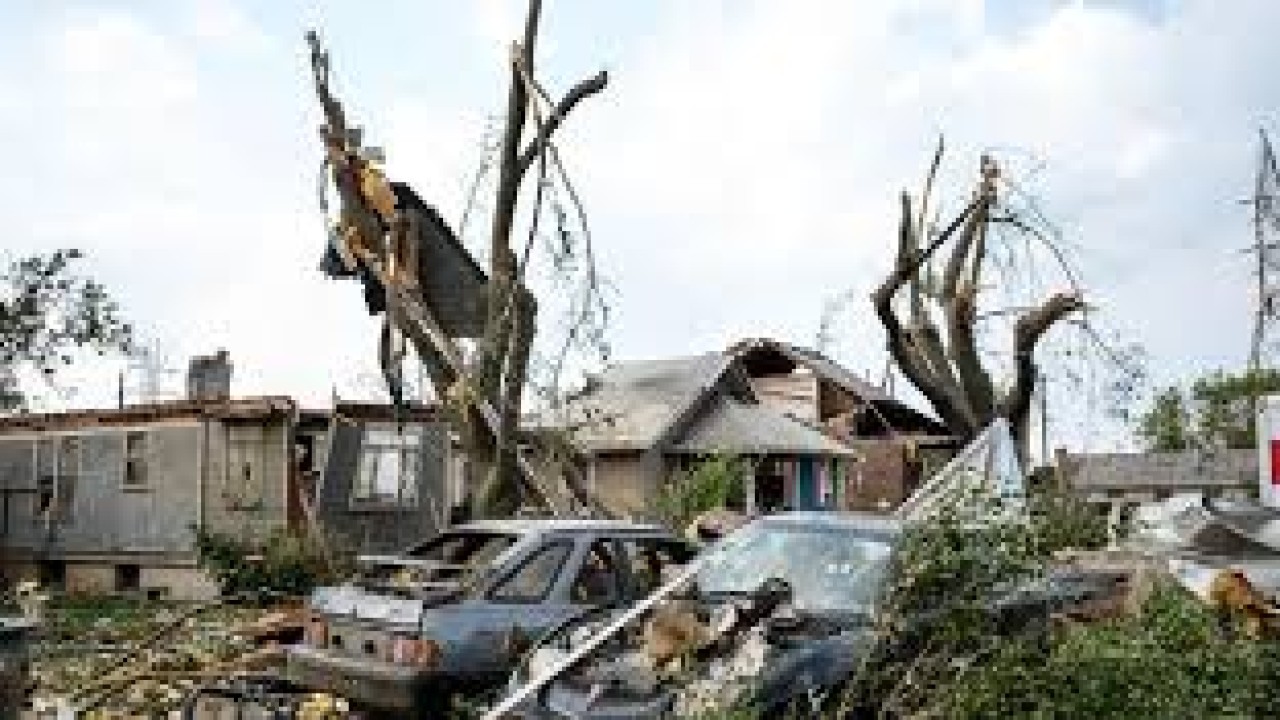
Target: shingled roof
[634,405]
[754,429]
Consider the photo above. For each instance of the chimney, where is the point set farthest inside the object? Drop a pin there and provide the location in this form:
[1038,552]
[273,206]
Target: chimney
[209,377]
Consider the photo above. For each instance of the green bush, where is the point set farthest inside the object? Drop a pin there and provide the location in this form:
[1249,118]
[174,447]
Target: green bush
[284,562]
[713,482]
[1176,659]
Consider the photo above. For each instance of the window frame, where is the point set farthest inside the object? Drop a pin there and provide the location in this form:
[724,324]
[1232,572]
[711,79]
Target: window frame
[614,555]
[55,490]
[403,445]
[135,455]
[243,474]
[632,578]
[566,545]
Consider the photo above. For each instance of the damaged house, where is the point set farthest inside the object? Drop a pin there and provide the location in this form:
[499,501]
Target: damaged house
[818,436]
[101,500]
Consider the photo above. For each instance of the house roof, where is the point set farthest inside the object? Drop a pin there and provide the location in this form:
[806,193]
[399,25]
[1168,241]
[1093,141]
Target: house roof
[820,364]
[252,408]
[632,406]
[374,412]
[752,428]
[766,356]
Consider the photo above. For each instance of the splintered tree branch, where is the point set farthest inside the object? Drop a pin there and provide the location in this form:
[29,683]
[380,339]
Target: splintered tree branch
[511,316]
[577,94]
[913,363]
[959,300]
[1026,335]
[951,374]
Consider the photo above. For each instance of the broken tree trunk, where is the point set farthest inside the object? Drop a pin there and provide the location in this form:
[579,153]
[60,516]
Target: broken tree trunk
[491,392]
[948,368]
[362,229]
[512,311]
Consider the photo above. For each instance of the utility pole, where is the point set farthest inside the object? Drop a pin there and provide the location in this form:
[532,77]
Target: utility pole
[1266,223]
[1044,418]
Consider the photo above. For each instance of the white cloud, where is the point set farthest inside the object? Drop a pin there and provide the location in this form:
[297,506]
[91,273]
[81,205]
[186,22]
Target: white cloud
[742,166]
[223,24]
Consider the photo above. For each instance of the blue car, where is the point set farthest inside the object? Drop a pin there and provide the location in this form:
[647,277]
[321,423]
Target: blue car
[776,617]
[451,616]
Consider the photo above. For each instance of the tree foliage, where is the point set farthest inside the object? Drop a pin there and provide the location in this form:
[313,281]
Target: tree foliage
[1216,411]
[1176,658]
[284,562]
[48,311]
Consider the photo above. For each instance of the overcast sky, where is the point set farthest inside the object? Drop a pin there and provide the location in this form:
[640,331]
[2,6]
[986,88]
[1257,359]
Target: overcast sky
[742,167]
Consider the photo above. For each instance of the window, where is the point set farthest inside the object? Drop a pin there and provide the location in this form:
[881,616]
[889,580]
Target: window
[135,459]
[128,577]
[46,476]
[242,486]
[70,452]
[597,579]
[535,577]
[57,467]
[51,573]
[649,559]
[390,463]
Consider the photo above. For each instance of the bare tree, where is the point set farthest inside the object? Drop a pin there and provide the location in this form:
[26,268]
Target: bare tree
[936,347]
[374,234]
[503,364]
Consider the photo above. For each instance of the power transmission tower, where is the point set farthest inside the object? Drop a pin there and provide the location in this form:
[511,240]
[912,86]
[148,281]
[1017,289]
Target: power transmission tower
[151,365]
[1266,249]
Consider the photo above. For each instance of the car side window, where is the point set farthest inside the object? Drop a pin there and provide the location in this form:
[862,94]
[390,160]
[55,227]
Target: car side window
[531,582]
[597,580]
[649,558]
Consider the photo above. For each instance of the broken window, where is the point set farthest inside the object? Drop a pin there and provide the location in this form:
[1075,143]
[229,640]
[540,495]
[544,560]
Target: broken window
[128,577]
[597,579]
[135,459]
[650,560]
[535,577]
[46,475]
[57,466]
[69,457]
[390,464]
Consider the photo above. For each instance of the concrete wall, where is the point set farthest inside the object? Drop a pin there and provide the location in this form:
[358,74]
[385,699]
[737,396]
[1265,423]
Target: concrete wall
[882,479]
[625,483]
[103,514]
[108,522]
[246,477]
[1141,476]
[372,528]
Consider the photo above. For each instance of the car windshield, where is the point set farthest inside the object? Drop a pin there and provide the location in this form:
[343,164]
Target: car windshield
[457,556]
[830,568]
[470,549]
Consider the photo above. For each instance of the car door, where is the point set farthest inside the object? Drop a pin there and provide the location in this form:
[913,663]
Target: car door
[647,561]
[515,605]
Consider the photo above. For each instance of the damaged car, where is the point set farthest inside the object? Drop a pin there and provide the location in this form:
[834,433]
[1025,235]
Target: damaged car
[452,615]
[775,618]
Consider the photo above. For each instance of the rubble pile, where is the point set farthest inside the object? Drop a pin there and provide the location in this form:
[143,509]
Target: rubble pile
[112,660]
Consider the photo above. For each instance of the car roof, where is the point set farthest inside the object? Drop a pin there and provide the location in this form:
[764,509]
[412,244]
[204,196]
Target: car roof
[835,520]
[533,526]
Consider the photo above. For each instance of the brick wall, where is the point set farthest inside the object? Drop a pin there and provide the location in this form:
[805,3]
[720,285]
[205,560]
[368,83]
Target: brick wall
[884,478]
